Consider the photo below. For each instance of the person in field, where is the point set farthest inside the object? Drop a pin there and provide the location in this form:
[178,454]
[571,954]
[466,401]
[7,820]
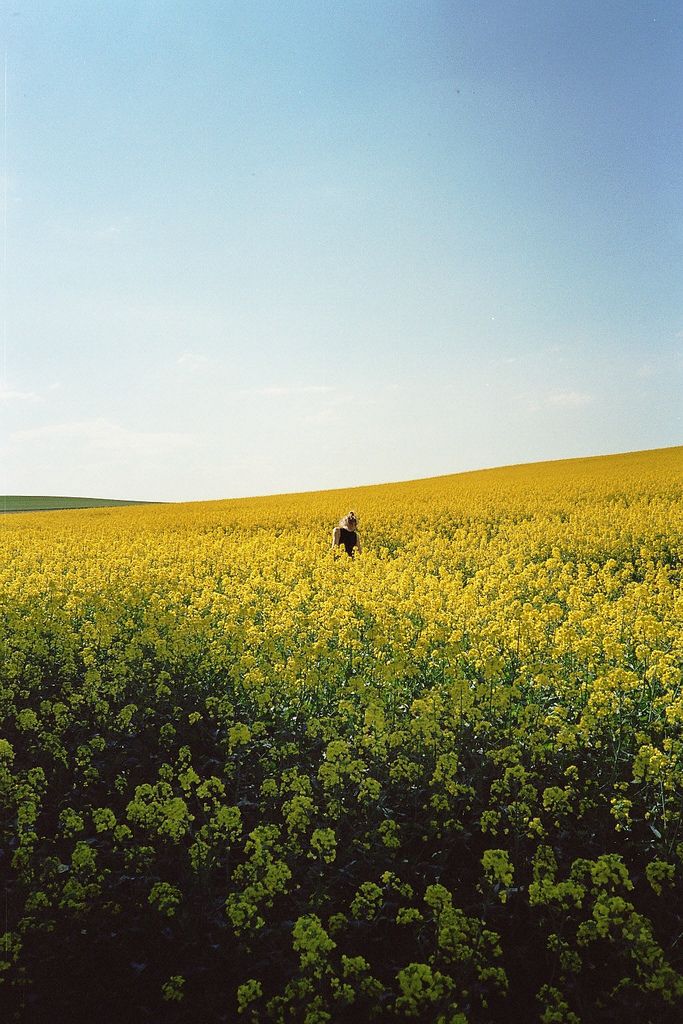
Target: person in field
[346,534]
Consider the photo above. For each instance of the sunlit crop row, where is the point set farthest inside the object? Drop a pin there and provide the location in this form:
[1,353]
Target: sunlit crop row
[248,778]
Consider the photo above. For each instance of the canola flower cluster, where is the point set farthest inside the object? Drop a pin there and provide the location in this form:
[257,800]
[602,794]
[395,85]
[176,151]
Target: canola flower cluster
[246,778]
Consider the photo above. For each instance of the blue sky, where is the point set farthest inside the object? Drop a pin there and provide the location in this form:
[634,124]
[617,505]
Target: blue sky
[253,247]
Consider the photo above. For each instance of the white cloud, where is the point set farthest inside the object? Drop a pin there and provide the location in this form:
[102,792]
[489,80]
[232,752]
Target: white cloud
[556,400]
[504,361]
[8,395]
[193,361]
[276,392]
[88,231]
[109,233]
[102,436]
[567,399]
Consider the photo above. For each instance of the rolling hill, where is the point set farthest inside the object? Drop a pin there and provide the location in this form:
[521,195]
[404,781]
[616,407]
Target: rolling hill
[35,503]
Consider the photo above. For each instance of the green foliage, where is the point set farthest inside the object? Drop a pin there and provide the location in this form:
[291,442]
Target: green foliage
[32,503]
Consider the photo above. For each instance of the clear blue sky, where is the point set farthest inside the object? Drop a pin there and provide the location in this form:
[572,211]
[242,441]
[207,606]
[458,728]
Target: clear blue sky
[252,247]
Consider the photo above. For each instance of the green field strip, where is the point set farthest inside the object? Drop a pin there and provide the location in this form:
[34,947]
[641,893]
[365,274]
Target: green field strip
[31,503]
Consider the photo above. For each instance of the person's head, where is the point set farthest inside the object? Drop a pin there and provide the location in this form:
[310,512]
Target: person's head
[349,522]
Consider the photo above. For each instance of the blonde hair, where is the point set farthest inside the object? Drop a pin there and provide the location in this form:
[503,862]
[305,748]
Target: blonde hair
[344,521]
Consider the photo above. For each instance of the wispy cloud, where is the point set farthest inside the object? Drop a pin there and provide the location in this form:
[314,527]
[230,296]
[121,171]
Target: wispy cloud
[277,392]
[567,399]
[89,231]
[560,400]
[9,395]
[504,361]
[193,361]
[102,436]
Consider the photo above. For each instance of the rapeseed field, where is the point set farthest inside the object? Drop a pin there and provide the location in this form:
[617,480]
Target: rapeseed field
[246,778]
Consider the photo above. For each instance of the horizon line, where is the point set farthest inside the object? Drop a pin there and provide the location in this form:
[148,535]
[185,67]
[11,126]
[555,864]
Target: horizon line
[351,487]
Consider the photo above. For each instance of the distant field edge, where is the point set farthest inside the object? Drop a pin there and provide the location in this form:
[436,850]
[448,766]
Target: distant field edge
[44,503]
